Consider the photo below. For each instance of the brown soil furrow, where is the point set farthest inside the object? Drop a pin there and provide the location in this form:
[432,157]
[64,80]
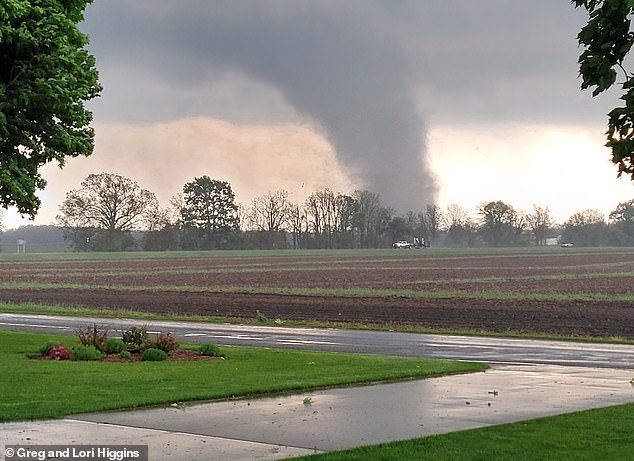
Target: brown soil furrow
[566,317]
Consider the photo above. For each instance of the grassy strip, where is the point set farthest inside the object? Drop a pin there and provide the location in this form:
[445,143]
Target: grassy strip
[523,278]
[328,266]
[217,254]
[591,435]
[341,291]
[474,253]
[29,308]
[44,389]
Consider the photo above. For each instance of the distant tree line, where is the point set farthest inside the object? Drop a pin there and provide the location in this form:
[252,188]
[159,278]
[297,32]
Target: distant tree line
[109,212]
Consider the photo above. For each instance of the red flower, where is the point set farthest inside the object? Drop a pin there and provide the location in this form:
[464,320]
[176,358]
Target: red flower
[59,352]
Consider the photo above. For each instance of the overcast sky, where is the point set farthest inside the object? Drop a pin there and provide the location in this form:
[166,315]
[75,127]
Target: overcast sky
[449,101]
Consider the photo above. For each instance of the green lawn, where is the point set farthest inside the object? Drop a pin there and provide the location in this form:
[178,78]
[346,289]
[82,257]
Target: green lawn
[32,389]
[593,435]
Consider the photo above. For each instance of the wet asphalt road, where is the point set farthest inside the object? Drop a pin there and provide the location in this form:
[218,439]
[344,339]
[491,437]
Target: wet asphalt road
[482,349]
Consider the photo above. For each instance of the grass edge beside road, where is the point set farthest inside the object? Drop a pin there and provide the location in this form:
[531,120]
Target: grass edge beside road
[597,434]
[79,311]
[35,389]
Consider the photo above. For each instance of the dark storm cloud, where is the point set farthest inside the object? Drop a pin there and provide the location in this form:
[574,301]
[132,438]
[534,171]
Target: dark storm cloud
[361,71]
[329,64]
[499,60]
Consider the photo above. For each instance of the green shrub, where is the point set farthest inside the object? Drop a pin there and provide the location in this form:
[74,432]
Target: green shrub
[83,352]
[164,341]
[154,355]
[211,350]
[136,338]
[125,354]
[114,346]
[93,336]
[46,348]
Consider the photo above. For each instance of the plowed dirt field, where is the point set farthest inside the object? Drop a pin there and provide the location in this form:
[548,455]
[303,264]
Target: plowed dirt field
[558,291]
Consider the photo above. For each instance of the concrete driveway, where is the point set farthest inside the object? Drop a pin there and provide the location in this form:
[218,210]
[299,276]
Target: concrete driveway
[284,426]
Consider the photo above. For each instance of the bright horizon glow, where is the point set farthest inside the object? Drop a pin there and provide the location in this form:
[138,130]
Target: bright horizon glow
[521,165]
[566,169]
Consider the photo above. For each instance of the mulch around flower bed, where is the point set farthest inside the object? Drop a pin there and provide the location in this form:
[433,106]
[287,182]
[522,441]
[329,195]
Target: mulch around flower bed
[180,355]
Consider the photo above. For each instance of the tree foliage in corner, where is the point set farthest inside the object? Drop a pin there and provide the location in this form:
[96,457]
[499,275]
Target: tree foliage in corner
[607,40]
[46,75]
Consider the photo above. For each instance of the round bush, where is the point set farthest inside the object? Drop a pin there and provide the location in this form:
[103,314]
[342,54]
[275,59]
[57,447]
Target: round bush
[211,350]
[46,348]
[114,346]
[82,352]
[125,354]
[154,355]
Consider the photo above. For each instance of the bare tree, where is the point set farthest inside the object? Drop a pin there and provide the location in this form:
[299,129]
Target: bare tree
[454,215]
[163,230]
[460,227]
[314,215]
[177,203]
[540,222]
[344,213]
[367,215]
[158,218]
[107,201]
[330,217]
[269,213]
[431,222]
[110,204]
[296,222]
[319,212]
